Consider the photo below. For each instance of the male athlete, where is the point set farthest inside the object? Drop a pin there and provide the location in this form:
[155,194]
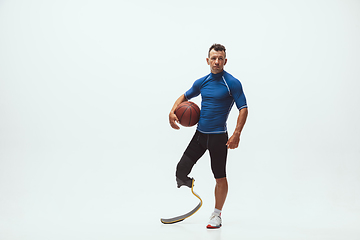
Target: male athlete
[219,90]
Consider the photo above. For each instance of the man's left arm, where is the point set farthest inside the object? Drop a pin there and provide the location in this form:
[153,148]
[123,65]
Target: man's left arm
[234,140]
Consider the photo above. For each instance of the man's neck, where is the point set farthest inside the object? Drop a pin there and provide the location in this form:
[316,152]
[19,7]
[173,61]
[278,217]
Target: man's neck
[217,72]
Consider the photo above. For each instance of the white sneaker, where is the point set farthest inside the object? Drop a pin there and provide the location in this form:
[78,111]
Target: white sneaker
[215,222]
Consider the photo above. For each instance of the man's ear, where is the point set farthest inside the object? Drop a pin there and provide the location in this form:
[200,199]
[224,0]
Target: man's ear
[207,60]
[225,61]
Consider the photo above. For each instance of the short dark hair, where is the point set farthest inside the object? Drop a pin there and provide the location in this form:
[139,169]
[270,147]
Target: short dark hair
[217,47]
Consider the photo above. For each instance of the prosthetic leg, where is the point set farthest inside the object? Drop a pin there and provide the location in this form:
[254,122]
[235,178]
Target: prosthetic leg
[182,217]
[182,170]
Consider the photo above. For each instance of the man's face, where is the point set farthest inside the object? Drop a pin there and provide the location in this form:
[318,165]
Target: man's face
[217,61]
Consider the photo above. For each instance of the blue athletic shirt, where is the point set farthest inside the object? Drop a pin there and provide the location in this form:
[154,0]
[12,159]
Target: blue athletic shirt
[218,94]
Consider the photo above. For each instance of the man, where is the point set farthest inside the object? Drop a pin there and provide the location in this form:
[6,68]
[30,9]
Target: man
[219,90]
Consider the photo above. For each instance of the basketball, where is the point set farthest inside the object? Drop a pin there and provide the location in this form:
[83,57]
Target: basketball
[188,113]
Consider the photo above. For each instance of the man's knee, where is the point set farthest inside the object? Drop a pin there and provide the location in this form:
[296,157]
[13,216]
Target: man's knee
[184,167]
[221,181]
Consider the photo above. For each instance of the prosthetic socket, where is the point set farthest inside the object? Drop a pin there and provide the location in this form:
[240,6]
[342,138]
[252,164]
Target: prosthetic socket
[182,170]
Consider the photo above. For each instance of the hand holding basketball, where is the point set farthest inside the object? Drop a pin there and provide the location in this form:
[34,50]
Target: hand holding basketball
[172,119]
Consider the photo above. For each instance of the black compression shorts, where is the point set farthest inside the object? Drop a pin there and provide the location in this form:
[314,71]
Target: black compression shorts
[216,144]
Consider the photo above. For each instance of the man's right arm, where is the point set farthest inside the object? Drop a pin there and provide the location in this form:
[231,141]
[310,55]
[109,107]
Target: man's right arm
[172,116]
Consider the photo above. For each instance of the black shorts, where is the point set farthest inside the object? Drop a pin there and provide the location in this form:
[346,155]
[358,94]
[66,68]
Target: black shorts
[216,144]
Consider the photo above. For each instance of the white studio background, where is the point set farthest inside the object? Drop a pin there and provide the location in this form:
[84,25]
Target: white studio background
[86,151]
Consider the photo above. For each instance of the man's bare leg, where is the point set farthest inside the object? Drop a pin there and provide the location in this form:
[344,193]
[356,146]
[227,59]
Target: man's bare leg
[221,190]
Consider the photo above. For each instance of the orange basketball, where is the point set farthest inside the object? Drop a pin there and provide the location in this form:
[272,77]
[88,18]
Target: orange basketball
[188,113]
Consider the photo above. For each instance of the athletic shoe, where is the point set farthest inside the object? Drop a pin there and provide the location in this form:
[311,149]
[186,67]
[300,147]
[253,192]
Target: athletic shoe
[215,222]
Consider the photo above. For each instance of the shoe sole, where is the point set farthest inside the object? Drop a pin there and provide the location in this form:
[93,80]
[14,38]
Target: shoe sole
[213,227]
